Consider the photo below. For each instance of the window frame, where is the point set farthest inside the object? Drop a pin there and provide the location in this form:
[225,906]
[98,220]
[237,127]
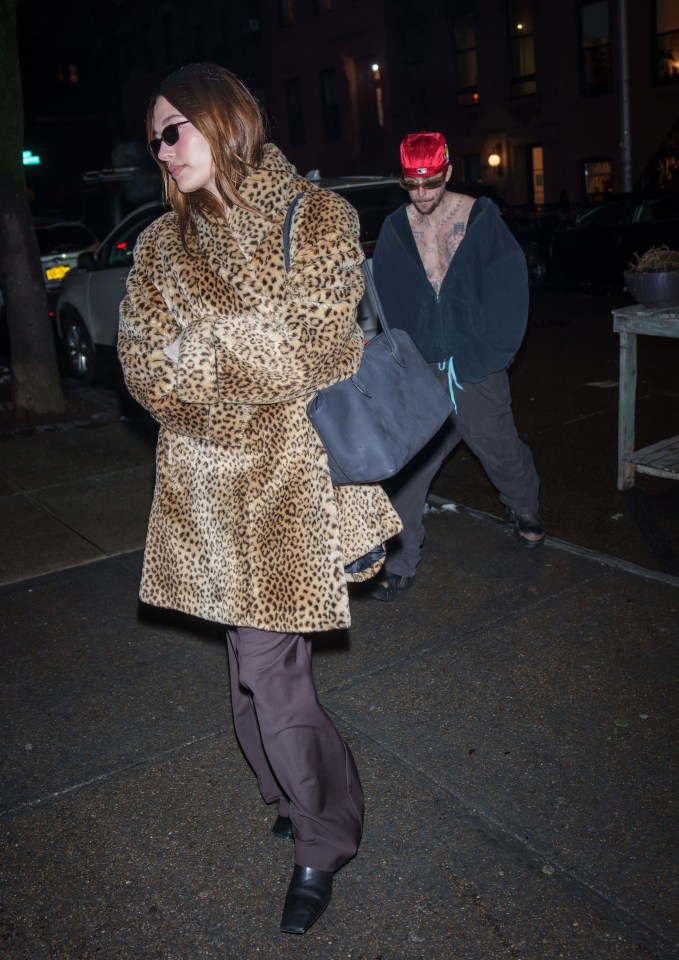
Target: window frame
[658,78]
[593,196]
[467,94]
[518,43]
[590,88]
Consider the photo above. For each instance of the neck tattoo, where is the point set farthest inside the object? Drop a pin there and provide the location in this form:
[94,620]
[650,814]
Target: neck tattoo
[431,222]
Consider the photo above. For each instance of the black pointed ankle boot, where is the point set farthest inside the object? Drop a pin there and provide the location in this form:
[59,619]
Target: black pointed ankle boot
[308,895]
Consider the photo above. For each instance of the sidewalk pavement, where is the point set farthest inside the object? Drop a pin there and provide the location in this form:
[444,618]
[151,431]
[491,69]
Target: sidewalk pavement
[512,718]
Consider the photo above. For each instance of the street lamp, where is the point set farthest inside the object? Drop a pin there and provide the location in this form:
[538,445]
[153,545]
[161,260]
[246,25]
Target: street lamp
[495,160]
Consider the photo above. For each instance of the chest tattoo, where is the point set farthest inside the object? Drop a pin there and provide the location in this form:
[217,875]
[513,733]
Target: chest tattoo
[453,239]
[438,242]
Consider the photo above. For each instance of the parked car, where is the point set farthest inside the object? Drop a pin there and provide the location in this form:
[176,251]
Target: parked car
[60,244]
[88,304]
[89,300]
[602,241]
[532,241]
[376,197]
[373,197]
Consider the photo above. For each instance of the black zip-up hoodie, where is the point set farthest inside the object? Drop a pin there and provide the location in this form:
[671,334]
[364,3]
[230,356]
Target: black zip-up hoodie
[479,315]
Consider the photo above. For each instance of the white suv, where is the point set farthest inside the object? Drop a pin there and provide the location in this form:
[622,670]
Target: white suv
[89,300]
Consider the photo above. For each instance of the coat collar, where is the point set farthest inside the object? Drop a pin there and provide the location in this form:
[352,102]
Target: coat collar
[268,191]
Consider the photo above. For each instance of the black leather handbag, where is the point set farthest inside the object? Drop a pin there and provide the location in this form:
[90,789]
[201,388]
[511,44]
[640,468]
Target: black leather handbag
[374,422]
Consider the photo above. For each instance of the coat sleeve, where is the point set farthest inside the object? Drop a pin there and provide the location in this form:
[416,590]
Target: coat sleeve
[288,346]
[147,328]
[502,295]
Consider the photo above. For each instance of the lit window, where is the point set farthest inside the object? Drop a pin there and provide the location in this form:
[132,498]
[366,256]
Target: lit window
[667,41]
[537,185]
[597,174]
[522,46]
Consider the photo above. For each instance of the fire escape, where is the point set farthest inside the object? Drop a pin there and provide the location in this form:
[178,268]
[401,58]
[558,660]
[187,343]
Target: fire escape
[662,170]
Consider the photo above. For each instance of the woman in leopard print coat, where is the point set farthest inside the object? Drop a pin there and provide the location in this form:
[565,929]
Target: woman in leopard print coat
[224,348]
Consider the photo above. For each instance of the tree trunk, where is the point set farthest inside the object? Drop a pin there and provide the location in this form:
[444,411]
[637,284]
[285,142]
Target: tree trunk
[36,388]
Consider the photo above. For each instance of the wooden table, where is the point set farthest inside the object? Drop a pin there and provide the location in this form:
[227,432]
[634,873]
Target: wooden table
[660,459]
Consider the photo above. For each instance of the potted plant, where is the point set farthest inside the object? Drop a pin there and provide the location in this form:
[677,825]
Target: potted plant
[653,279]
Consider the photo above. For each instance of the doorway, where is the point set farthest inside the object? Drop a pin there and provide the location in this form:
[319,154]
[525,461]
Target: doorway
[536,178]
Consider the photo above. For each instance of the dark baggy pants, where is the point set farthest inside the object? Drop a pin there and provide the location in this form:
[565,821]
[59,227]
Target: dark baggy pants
[485,422]
[300,761]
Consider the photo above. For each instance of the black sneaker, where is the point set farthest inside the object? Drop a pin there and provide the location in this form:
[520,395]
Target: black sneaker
[387,586]
[527,528]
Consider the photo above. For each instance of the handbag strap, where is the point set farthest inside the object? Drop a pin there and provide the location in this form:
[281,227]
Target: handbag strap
[371,287]
[287,225]
[367,276]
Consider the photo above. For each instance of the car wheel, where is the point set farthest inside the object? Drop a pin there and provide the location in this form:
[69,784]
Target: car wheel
[537,268]
[81,358]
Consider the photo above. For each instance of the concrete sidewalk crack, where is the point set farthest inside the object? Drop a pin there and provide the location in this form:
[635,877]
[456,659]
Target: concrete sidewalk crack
[150,760]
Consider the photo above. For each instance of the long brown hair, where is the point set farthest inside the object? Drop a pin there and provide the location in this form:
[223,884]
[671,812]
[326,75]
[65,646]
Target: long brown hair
[220,107]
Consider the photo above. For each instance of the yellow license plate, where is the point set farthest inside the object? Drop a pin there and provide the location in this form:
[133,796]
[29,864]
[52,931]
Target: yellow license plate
[56,273]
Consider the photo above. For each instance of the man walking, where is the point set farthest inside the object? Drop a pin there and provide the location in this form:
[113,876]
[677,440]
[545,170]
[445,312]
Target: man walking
[451,274]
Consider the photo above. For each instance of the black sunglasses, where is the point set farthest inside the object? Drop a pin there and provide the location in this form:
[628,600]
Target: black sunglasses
[170,135]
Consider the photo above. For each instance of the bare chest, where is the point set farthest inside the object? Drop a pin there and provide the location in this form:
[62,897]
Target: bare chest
[438,242]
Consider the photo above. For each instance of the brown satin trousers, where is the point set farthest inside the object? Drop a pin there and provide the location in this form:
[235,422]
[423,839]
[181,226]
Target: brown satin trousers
[300,761]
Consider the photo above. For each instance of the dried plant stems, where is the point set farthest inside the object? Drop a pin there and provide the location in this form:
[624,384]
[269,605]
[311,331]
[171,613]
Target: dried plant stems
[656,260]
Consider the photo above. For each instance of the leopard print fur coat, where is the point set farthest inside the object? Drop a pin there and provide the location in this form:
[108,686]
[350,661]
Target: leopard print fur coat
[225,348]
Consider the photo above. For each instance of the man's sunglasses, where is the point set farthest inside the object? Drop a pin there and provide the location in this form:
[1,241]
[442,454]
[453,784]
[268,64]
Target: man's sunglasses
[425,184]
[170,135]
